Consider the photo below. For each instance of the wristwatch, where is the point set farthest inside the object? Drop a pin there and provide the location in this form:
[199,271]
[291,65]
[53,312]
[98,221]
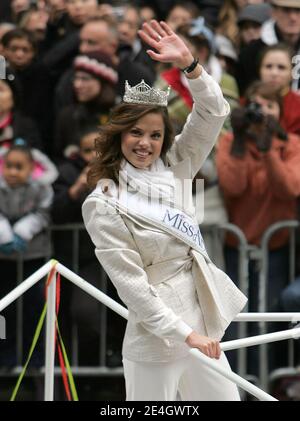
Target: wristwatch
[191,67]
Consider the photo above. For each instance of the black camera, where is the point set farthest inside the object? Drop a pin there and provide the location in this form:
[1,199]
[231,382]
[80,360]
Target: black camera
[253,113]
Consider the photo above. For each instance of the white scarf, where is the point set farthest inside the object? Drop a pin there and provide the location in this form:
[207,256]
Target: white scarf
[156,181]
[150,194]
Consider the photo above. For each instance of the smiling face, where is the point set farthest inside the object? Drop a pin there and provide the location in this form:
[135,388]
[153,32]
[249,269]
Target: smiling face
[142,144]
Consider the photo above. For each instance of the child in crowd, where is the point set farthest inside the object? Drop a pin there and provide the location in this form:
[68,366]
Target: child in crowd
[71,190]
[24,215]
[258,174]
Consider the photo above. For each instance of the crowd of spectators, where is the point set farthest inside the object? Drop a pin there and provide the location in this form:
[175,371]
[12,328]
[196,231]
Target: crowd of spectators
[66,66]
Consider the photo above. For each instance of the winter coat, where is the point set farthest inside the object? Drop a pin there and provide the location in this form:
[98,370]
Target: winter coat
[44,170]
[260,189]
[73,120]
[23,127]
[25,211]
[65,210]
[156,275]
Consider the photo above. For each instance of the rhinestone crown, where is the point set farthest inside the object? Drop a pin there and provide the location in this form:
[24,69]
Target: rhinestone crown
[144,94]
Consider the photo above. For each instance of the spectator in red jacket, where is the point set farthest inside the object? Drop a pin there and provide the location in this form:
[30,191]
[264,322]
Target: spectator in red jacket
[258,168]
[276,68]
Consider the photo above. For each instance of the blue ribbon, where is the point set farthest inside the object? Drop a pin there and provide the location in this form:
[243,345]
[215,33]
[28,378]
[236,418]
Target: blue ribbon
[199,28]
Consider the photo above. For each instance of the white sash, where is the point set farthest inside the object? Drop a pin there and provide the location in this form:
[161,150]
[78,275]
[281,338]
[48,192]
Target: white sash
[168,218]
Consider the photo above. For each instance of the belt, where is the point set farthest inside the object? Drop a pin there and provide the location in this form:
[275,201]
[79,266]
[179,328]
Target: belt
[162,271]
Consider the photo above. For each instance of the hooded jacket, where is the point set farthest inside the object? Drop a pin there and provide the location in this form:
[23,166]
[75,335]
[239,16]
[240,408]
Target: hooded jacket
[25,211]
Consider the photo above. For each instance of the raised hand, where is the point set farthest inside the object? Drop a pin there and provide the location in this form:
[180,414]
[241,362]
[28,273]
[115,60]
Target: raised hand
[169,46]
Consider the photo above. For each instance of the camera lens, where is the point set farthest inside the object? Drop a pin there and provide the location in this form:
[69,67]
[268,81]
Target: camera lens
[254,113]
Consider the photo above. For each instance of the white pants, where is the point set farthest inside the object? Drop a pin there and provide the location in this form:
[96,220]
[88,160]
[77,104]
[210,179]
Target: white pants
[152,381]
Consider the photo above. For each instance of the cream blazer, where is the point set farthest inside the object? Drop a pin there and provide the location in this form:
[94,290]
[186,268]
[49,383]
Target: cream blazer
[168,288]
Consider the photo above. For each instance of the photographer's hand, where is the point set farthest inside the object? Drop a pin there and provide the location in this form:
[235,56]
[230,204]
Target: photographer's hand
[239,126]
[264,141]
[269,129]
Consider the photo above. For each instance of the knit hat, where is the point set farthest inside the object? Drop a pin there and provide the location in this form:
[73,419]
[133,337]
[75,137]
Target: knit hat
[199,28]
[97,64]
[257,13]
[286,3]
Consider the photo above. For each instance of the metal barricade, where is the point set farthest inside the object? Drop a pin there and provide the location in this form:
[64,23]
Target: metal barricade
[75,229]
[260,254]
[19,262]
[243,259]
[94,292]
[263,285]
[101,369]
[245,253]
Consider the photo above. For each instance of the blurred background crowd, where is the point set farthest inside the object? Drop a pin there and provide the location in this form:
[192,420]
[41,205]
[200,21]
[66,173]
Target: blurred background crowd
[66,66]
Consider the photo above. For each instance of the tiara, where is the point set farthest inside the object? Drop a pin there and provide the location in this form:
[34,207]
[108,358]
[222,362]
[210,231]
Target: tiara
[144,94]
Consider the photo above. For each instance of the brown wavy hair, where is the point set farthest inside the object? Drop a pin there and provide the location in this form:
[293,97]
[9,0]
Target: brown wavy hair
[109,155]
[227,19]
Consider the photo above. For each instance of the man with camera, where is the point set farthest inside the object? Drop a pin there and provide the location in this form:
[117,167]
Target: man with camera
[258,168]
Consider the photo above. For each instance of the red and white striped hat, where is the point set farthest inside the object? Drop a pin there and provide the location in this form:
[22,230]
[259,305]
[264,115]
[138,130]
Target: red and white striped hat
[98,65]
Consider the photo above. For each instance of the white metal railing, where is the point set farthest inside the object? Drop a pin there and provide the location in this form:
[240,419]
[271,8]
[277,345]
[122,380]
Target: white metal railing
[104,299]
[264,283]
[50,340]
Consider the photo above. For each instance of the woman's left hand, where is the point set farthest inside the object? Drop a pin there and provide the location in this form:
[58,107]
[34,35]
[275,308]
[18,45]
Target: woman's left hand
[169,46]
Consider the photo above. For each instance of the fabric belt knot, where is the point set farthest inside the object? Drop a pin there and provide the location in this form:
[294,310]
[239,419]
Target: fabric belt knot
[161,272]
[188,265]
